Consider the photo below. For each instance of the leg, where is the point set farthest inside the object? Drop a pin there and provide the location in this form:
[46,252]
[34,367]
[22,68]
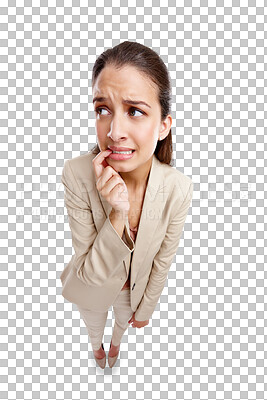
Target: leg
[95,323]
[123,312]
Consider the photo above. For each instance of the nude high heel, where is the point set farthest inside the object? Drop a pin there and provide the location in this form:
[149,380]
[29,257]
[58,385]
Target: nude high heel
[112,360]
[101,361]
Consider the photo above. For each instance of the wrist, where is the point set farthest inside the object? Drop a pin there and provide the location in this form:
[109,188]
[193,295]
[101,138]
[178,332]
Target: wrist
[119,213]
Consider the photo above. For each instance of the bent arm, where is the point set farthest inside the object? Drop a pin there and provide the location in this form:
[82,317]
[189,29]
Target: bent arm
[163,261]
[97,255]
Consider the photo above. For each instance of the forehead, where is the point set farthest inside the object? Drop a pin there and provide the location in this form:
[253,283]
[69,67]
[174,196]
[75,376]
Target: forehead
[127,81]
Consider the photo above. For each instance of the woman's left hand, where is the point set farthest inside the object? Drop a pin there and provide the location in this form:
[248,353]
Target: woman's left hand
[137,324]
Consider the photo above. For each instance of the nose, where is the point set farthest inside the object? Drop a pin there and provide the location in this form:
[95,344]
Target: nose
[117,129]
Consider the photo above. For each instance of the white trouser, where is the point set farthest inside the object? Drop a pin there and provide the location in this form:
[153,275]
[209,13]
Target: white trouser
[95,321]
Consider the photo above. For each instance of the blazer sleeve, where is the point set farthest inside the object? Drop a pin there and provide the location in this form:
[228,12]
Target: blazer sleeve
[97,255]
[163,260]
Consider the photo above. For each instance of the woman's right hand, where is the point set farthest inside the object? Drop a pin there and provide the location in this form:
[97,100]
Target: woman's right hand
[110,184]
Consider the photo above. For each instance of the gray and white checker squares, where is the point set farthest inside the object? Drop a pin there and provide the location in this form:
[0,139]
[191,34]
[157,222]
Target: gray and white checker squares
[207,337]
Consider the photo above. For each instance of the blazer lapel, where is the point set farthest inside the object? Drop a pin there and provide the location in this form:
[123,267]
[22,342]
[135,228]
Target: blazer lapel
[153,205]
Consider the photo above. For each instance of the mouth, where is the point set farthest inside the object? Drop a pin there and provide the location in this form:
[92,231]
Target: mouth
[122,152]
[121,155]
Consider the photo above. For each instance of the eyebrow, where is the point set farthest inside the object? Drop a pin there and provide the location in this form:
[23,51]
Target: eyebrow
[125,101]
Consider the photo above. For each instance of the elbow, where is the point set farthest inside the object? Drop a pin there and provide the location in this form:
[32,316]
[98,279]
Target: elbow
[86,272]
[88,279]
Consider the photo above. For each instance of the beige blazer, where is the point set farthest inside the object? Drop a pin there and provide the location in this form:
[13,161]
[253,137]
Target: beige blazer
[100,265]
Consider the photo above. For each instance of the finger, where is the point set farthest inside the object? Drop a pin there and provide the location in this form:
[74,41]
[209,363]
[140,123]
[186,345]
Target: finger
[107,174]
[106,184]
[98,162]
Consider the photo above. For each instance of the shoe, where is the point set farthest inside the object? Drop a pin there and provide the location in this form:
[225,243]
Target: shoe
[101,361]
[112,360]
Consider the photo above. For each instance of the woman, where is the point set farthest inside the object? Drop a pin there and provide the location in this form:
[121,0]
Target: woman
[126,204]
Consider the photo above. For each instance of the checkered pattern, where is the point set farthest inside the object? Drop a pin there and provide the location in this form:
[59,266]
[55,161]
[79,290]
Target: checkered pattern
[207,337]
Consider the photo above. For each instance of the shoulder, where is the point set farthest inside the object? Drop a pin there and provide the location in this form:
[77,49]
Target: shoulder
[78,172]
[179,184]
[81,161]
[81,165]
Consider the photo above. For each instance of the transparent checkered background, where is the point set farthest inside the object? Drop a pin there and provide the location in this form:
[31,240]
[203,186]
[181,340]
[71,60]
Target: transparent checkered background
[206,339]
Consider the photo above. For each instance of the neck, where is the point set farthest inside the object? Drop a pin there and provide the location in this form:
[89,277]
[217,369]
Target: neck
[137,178]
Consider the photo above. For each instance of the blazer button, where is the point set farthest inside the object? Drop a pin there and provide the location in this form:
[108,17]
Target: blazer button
[133,286]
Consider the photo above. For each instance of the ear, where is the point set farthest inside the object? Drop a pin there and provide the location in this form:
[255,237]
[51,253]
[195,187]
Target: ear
[165,127]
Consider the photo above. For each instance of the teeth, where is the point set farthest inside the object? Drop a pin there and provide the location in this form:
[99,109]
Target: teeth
[122,152]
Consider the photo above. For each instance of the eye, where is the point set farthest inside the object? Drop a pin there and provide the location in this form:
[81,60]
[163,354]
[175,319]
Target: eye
[132,109]
[98,109]
[136,109]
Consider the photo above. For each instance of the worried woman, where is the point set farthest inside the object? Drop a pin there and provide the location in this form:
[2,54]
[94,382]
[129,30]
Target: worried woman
[126,204]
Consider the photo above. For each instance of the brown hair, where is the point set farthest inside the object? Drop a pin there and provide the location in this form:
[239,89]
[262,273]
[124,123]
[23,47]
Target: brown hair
[149,63]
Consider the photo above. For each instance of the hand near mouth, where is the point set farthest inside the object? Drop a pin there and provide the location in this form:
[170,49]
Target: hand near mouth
[110,184]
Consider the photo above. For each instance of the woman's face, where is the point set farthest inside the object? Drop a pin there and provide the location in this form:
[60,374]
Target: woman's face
[125,124]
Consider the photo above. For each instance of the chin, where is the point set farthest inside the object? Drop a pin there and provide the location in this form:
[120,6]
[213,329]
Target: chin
[119,168]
